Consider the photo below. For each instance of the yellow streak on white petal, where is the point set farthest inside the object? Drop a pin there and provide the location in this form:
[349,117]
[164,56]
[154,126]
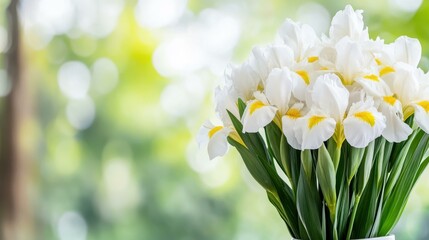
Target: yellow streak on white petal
[304,76]
[293,113]
[314,120]
[386,70]
[339,136]
[324,68]
[366,116]
[234,135]
[424,105]
[255,106]
[390,100]
[313,59]
[408,111]
[214,130]
[372,77]
[378,61]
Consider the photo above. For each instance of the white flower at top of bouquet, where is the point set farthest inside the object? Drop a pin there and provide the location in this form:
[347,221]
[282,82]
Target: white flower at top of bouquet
[345,86]
[348,23]
[328,94]
[301,38]
[404,49]
[349,59]
[249,76]
[215,137]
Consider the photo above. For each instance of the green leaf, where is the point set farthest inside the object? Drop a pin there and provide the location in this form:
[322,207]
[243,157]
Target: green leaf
[395,203]
[307,163]
[255,167]
[365,168]
[253,141]
[356,156]
[309,207]
[241,106]
[290,161]
[274,136]
[398,163]
[325,173]
[422,167]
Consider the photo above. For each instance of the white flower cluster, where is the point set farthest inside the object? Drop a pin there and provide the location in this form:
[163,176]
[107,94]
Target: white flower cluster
[345,85]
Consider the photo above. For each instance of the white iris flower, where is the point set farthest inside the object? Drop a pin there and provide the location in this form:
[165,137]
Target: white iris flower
[344,86]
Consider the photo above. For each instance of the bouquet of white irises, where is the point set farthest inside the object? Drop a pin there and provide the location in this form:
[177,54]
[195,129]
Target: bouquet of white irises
[343,116]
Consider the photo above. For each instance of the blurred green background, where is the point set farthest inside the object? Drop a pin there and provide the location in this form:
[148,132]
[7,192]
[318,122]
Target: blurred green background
[116,91]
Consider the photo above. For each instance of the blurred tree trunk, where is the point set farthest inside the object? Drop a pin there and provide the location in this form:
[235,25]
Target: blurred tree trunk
[14,208]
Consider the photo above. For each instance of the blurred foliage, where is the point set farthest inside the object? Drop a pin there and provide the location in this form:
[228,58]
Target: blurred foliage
[119,161]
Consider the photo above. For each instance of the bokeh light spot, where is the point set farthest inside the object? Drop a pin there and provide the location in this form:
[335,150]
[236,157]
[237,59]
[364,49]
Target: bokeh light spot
[72,226]
[406,5]
[81,113]
[105,75]
[316,16]
[159,13]
[74,79]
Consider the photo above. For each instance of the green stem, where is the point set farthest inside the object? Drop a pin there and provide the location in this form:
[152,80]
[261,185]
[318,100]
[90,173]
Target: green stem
[336,157]
[352,218]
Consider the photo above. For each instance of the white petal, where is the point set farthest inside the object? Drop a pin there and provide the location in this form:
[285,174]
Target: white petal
[363,124]
[374,85]
[257,115]
[404,82]
[300,38]
[289,122]
[279,56]
[408,50]
[315,129]
[218,144]
[288,125]
[278,88]
[258,62]
[421,115]
[329,94]
[300,85]
[203,134]
[244,80]
[226,99]
[396,129]
[348,23]
[350,60]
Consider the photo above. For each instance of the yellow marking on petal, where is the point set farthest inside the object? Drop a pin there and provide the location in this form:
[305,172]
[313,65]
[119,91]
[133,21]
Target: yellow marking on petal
[214,130]
[234,135]
[304,76]
[367,117]
[314,120]
[339,136]
[386,70]
[390,100]
[324,68]
[424,105]
[408,111]
[255,106]
[378,61]
[372,77]
[313,59]
[293,113]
